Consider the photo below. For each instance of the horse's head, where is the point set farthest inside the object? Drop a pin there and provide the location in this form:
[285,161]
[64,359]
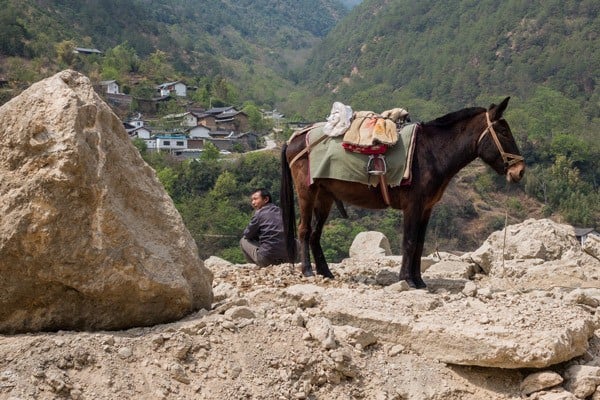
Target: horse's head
[497,147]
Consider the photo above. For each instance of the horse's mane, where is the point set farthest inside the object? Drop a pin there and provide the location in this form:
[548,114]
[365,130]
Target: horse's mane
[456,116]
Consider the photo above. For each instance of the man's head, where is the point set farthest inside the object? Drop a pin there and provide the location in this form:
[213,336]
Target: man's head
[260,198]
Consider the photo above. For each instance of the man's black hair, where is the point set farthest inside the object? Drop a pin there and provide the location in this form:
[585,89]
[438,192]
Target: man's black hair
[264,193]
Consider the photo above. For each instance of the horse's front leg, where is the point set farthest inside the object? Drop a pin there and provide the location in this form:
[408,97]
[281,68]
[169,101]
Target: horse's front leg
[321,212]
[415,228]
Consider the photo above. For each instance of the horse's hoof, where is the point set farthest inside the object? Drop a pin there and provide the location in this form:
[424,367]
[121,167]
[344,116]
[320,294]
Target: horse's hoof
[307,273]
[416,283]
[326,274]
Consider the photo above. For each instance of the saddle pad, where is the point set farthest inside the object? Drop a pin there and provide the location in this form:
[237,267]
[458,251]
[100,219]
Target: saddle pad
[328,159]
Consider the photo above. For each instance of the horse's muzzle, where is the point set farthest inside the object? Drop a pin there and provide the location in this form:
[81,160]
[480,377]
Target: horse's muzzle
[515,172]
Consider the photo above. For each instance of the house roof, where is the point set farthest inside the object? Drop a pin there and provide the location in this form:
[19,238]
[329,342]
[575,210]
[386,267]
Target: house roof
[241,135]
[222,133]
[86,50]
[219,110]
[230,113]
[196,110]
[106,83]
[167,84]
[160,98]
[585,231]
[178,137]
[175,116]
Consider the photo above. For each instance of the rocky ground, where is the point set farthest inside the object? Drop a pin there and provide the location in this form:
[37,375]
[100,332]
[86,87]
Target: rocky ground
[484,329]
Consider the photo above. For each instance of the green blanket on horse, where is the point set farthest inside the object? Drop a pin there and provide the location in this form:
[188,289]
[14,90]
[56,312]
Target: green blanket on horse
[328,159]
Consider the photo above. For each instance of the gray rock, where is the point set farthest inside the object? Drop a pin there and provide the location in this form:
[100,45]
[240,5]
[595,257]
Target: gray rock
[355,336]
[450,270]
[240,312]
[532,239]
[321,330]
[517,331]
[540,381]
[582,380]
[368,245]
[215,263]
[592,246]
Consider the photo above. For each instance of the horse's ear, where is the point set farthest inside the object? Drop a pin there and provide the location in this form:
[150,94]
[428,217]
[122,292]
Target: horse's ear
[496,111]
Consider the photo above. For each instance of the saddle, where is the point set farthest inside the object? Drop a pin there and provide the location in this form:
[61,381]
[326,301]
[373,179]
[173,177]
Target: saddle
[371,134]
[368,133]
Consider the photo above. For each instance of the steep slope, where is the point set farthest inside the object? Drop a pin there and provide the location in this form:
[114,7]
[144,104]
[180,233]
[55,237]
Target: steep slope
[244,41]
[452,53]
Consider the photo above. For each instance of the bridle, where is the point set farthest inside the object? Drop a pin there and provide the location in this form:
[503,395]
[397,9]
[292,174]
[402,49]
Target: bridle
[508,158]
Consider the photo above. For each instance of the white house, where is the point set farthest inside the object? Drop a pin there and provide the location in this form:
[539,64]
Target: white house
[136,129]
[136,123]
[183,119]
[140,132]
[150,143]
[111,87]
[171,143]
[189,119]
[199,132]
[178,88]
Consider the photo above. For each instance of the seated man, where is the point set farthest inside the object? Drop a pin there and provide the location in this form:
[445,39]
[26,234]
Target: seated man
[263,241]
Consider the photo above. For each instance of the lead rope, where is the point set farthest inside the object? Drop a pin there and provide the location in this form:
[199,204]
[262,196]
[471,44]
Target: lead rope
[504,241]
[509,283]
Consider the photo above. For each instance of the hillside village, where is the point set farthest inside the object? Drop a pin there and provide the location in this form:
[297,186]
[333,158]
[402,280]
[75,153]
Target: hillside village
[184,135]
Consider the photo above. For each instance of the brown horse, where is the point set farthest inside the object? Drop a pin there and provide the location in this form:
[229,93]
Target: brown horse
[443,147]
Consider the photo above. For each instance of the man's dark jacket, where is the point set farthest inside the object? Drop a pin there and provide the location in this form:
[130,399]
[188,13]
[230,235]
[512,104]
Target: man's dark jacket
[266,228]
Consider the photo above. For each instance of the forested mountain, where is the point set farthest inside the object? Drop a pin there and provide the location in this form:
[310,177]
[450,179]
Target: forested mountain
[253,43]
[454,52]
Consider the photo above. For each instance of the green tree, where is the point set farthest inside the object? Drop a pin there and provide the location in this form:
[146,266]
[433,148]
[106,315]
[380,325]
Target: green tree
[18,71]
[219,220]
[255,118]
[65,51]
[157,67]
[337,238]
[167,177]
[141,145]
[259,170]
[120,61]
[223,90]
[210,152]
[13,35]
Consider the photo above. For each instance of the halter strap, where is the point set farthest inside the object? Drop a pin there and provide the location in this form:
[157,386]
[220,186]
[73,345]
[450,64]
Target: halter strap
[506,157]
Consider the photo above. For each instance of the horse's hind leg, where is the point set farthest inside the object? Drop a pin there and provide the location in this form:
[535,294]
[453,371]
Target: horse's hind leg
[321,212]
[306,201]
[304,234]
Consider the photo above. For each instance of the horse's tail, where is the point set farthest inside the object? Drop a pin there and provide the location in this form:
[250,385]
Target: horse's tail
[286,197]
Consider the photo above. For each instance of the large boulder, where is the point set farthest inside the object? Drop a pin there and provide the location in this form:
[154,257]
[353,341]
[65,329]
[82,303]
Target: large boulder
[89,239]
[497,330]
[537,254]
[543,240]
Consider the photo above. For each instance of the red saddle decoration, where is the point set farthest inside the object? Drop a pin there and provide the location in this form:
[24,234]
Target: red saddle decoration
[374,149]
